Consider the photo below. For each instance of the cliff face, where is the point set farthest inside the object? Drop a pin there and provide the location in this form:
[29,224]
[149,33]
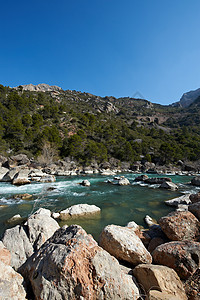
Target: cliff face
[188,98]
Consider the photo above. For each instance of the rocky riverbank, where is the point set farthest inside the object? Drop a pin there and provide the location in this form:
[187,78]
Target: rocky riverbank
[19,169]
[41,260]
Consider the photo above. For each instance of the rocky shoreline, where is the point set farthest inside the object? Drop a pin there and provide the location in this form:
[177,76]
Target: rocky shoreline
[41,260]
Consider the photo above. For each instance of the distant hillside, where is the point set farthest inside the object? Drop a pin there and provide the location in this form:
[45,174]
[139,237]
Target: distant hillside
[91,128]
[188,98]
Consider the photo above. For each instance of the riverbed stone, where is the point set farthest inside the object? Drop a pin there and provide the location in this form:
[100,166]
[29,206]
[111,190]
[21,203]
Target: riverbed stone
[79,210]
[11,283]
[183,257]
[161,278]
[21,177]
[195,209]
[157,180]
[180,226]
[123,181]
[124,244]
[157,295]
[169,186]
[192,286]
[85,183]
[71,265]
[10,175]
[150,221]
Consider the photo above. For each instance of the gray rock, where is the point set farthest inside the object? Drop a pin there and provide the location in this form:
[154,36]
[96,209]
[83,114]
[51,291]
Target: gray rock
[169,185]
[43,211]
[40,228]
[124,244]
[79,210]
[10,175]
[150,221]
[16,241]
[70,265]
[21,177]
[195,209]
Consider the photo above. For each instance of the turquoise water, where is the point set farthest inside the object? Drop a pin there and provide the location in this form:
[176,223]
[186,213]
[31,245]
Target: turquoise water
[119,204]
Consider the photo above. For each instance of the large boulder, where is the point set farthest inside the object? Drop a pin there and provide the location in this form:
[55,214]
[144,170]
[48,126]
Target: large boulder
[123,181]
[196,181]
[194,198]
[124,244]
[195,209]
[19,159]
[180,226]
[16,241]
[40,228]
[11,283]
[185,199]
[10,175]
[79,210]
[23,240]
[85,183]
[161,278]
[21,177]
[70,265]
[3,172]
[183,257]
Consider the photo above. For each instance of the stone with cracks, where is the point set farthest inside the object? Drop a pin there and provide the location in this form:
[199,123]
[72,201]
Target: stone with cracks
[11,284]
[180,226]
[70,265]
[79,210]
[124,244]
[183,257]
[161,278]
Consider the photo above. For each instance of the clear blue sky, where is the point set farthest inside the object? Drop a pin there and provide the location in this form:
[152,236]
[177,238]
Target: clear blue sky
[106,47]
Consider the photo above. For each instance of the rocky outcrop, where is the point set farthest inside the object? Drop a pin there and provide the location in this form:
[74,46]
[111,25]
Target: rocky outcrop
[124,244]
[161,278]
[11,283]
[79,210]
[23,240]
[180,226]
[183,257]
[70,265]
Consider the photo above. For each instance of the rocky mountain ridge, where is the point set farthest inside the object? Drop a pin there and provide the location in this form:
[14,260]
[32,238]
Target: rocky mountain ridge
[42,87]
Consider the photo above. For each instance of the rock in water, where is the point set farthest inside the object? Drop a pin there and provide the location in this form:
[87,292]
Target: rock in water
[169,186]
[11,284]
[124,244]
[185,199]
[162,278]
[70,265]
[180,226]
[183,257]
[85,183]
[79,210]
[21,178]
[196,181]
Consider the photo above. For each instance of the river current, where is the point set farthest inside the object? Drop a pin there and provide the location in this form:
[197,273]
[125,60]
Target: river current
[119,204]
